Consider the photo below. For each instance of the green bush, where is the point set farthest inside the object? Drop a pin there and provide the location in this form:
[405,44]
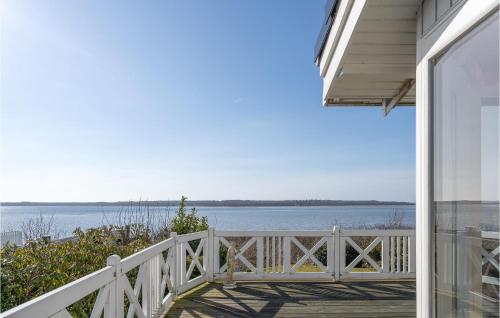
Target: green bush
[184,222]
[39,267]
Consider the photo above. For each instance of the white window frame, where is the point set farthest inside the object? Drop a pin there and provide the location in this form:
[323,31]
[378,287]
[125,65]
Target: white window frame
[429,46]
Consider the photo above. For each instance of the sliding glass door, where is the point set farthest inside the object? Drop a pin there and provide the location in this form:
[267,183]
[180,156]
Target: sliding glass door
[466,179]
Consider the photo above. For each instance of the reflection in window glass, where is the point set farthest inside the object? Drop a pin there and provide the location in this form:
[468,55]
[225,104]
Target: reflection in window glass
[466,179]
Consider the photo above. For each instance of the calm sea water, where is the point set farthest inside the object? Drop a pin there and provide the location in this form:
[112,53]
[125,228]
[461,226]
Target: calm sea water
[68,218]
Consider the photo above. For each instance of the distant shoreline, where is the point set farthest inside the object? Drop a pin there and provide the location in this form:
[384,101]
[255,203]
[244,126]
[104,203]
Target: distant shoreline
[219,203]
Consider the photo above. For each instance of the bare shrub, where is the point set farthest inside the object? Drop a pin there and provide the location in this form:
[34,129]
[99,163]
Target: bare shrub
[39,227]
[141,220]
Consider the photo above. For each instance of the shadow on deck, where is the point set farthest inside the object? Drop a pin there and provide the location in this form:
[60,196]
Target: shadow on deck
[251,299]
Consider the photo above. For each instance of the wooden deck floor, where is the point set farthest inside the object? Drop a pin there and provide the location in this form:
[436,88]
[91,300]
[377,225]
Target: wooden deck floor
[360,299]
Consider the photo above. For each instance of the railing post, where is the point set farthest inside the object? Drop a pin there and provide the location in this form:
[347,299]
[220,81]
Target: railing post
[210,255]
[116,293]
[331,253]
[337,252]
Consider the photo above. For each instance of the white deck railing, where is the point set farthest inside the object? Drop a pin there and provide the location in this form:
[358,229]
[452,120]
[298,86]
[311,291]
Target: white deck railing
[151,279]
[11,237]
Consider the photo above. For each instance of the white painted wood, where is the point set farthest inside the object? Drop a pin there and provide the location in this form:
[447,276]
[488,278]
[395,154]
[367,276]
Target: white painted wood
[382,49]
[216,260]
[393,258]
[391,13]
[347,30]
[274,254]
[267,254]
[393,58]
[101,300]
[400,38]
[260,255]
[387,26]
[405,254]
[280,241]
[330,255]
[404,71]
[62,314]
[341,259]
[390,104]
[343,11]
[377,232]
[385,254]
[138,258]
[287,254]
[62,297]
[398,254]
[337,252]
[209,264]
[192,236]
[271,233]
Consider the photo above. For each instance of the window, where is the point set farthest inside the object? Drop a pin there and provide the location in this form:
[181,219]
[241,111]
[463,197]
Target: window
[466,179]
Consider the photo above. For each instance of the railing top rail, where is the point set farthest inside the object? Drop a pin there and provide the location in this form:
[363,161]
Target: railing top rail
[140,257]
[376,232]
[192,236]
[490,235]
[272,233]
[54,301]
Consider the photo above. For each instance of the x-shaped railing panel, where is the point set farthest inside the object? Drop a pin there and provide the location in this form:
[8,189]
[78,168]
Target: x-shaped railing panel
[195,259]
[133,294]
[239,255]
[363,254]
[308,254]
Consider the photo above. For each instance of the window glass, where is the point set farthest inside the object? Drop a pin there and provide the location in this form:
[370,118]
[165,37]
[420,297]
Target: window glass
[466,179]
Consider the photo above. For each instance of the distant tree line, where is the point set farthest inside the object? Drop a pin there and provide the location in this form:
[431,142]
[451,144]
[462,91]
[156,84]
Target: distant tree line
[218,203]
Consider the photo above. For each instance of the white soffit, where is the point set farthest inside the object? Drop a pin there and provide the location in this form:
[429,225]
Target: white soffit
[369,58]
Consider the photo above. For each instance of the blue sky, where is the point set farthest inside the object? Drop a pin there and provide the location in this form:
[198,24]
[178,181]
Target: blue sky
[121,100]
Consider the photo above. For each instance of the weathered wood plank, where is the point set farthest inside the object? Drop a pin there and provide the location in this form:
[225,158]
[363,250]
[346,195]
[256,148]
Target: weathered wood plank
[355,299]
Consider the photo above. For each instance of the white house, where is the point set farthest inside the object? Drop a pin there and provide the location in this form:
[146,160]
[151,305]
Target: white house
[441,56]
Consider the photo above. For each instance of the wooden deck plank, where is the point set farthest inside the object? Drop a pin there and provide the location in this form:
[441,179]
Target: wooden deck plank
[249,299]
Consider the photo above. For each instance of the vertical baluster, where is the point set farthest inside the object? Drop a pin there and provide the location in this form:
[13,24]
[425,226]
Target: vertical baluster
[174,269]
[405,242]
[412,254]
[206,257]
[398,253]
[154,275]
[341,256]
[280,241]
[210,255]
[286,254]
[215,262]
[260,255]
[146,294]
[182,267]
[392,254]
[274,254]
[267,253]
[385,254]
